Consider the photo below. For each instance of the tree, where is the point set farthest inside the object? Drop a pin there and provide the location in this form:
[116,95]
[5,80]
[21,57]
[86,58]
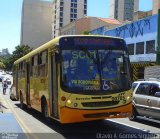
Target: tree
[2,66]
[86,32]
[19,52]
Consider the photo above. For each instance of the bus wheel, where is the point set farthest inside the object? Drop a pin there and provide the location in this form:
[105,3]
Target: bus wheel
[21,102]
[45,111]
[134,114]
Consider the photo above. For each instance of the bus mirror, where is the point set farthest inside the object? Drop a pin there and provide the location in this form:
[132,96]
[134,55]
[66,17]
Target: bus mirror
[57,57]
[123,73]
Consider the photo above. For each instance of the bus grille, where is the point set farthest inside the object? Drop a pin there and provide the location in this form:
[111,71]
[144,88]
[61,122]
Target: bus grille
[100,104]
[99,115]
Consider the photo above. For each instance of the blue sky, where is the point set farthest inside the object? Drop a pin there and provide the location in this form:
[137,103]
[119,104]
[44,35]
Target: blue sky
[10,18]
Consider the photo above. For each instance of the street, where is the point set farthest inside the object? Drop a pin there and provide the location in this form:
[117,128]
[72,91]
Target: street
[34,126]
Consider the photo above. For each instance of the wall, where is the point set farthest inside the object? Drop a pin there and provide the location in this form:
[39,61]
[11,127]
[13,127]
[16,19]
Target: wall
[141,30]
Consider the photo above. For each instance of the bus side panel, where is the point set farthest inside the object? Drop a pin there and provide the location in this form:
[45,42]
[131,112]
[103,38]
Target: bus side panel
[38,88]
[21,88]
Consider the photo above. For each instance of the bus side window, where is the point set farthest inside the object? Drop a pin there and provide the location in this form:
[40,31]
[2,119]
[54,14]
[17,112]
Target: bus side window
[21,69]
[35,66]
[42,67]
[32,63]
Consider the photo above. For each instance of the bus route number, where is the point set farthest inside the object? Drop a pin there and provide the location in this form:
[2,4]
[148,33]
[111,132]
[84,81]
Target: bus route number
[119,97]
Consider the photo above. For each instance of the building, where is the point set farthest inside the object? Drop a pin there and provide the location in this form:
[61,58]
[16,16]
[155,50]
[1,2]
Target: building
[66,11]
[123,10]
[142,14]
[36,22]
[87,24]
[141,40]
[155,6]
[4,52]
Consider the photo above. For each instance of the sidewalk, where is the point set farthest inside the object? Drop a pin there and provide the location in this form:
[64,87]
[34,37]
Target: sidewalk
[8,123]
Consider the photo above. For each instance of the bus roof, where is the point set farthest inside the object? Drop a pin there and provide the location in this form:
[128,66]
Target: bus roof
[39,49]
[52,43]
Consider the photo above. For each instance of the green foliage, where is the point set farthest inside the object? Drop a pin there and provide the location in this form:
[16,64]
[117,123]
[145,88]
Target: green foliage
[19,52]
[86,32]
[2,66]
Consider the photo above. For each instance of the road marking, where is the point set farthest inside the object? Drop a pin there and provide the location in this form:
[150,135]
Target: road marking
[128,125]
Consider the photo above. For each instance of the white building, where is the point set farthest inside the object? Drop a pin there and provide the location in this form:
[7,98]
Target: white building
[36,22]
[123,10]
[66,11]
[4,52]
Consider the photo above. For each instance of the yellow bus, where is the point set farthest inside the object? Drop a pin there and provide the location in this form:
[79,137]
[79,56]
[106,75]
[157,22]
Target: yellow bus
[76,78]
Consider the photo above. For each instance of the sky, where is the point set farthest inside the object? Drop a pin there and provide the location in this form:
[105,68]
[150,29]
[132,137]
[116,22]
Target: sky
[10,18]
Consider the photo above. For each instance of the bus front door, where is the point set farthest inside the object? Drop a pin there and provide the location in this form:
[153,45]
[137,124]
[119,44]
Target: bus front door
[27,84]
[54,88]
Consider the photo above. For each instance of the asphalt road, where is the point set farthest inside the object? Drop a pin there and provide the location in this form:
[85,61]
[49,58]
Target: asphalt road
[35,127]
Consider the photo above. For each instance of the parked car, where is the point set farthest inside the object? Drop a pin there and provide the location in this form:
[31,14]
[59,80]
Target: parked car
[146,100]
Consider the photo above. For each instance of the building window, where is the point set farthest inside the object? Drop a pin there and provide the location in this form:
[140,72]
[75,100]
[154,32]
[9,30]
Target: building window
[61,8]
[150,47]
[61,3]
[61,24]
[72,10]
[61,14]
[73,0]
[72,5]
[71,15]
[61,19]
[140,48]
[131,49]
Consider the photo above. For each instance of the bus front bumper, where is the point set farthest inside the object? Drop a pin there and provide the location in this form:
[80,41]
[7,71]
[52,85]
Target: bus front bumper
[69,115]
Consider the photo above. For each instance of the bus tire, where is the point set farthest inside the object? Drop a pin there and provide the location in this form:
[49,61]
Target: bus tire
[134,114]
[45,113]
[21,101]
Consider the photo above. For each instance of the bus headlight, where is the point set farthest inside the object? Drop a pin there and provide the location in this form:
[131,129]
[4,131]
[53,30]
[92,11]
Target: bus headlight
[128,97]
[69,102]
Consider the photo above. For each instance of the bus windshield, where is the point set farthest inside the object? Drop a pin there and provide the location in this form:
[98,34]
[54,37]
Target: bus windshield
[95,71]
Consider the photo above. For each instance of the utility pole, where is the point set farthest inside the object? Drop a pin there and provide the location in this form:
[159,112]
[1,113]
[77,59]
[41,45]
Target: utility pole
[158,35]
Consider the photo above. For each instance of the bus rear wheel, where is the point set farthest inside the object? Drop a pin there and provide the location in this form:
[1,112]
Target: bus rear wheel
[45,111]
[21,101]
